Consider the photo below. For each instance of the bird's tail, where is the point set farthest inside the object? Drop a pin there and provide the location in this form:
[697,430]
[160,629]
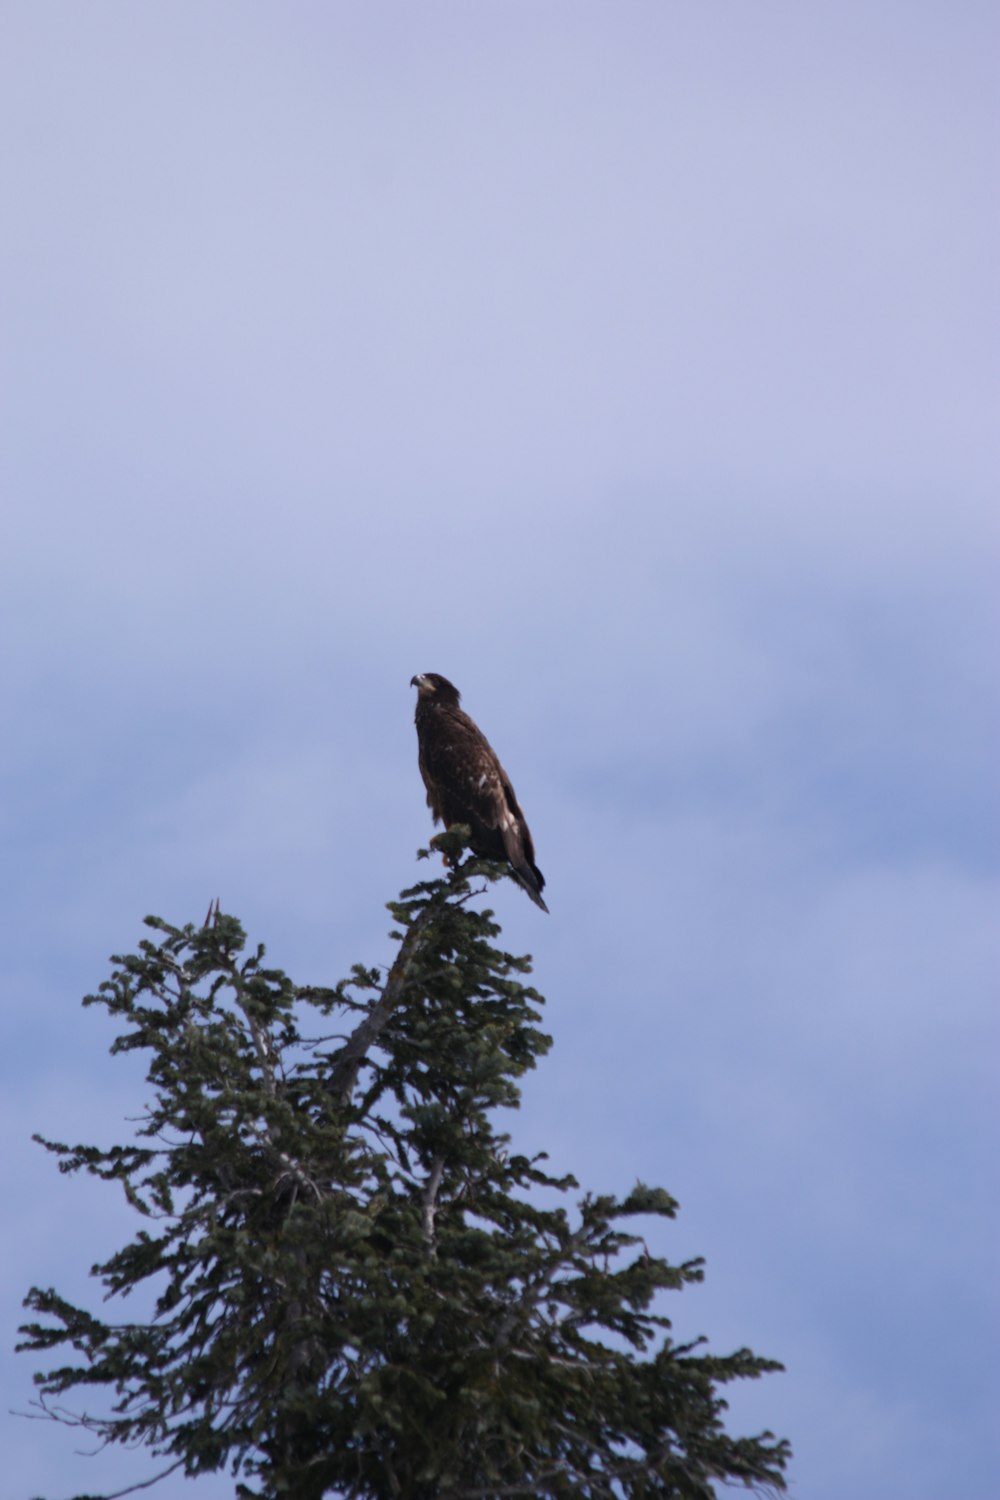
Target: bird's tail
[532,880]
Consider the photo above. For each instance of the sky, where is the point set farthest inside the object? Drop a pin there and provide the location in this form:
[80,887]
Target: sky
[635,367]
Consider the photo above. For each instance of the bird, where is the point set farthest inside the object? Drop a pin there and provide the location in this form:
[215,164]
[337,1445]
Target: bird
[467,784]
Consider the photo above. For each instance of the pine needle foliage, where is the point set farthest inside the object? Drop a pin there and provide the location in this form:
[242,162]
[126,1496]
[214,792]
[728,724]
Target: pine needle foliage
[360,1290]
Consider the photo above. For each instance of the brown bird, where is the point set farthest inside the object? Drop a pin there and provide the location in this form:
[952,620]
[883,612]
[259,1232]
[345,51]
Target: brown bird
[467,784]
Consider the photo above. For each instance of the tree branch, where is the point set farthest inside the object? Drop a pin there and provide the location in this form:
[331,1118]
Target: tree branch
[428,1204]
[344,1072]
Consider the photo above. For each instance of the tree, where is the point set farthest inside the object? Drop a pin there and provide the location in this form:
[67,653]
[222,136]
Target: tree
[359,1289]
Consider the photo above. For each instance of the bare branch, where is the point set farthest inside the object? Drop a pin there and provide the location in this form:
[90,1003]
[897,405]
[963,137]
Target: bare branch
[428,1204]
[345,1070]
[145,1484]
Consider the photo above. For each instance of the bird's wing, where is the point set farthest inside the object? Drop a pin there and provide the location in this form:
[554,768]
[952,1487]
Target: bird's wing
[461,763]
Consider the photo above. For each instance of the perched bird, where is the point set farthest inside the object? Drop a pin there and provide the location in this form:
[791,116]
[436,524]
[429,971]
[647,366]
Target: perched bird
[467,784]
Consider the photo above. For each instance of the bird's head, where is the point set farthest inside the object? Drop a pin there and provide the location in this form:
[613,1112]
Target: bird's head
[432,687]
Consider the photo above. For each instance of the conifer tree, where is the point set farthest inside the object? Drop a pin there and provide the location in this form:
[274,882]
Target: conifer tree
[360,1290]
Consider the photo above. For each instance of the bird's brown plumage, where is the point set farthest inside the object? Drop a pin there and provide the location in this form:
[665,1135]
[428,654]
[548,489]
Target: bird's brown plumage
[467,784]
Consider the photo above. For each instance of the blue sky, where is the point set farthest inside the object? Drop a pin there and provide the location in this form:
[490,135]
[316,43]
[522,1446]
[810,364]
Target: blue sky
[635,367]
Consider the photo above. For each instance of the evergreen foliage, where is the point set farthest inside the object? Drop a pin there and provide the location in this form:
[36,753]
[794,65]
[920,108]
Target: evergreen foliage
[359,1290]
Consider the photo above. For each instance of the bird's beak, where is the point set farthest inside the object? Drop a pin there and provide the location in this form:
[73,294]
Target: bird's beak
[419,681]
